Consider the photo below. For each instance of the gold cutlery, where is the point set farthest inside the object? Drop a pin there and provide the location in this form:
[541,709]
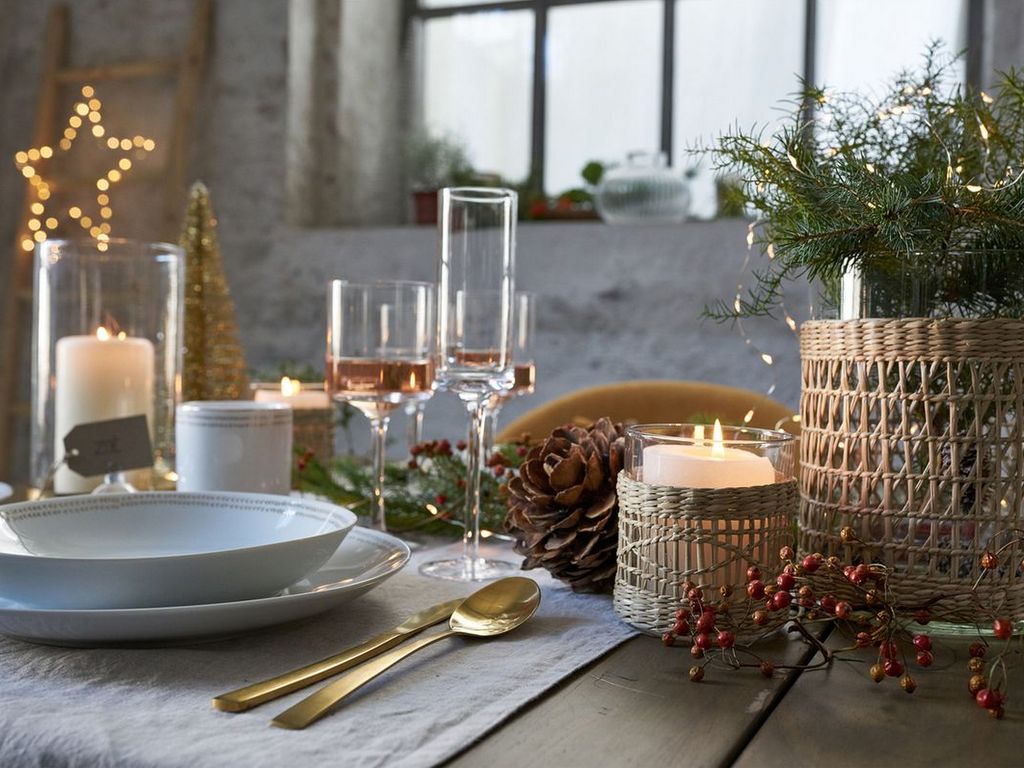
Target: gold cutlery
[493,610]
[253,695]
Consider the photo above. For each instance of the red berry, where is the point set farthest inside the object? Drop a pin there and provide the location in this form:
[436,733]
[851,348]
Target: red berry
[440,499]
[767,668]
[988,698]
[848,571]
[925,658]
[863,639]
[412,464]
[755,589]
[681,627]
[812,563]
[696,651]
[786,581]
[682,613]
[787,553]
[922,616]
[1002,628]
[706,622]
[753,573]
[977,651]
[461,445]
[702,641]
[888,649]
[726,639]
[781,600]
[893,668]
[860,574]
[301,464]
[828,603]
[843,609]
[922,642]
[668,639]
[521,451]
[695,594]
[989,560]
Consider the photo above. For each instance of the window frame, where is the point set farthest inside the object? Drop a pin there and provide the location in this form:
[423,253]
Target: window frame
[974,63]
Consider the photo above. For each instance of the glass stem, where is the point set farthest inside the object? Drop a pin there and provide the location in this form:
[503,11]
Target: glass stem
[380,435]
[491,426]
[477,408]
[414,431]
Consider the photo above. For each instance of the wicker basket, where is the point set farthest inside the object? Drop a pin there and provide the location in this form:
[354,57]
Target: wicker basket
[910,435]
[670,535]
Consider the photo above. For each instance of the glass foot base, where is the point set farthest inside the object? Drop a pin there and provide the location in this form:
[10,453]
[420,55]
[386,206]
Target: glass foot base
[468,569]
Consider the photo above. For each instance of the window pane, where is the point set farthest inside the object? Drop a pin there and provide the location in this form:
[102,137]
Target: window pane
[735,61]
[862,43]
[603,86]
[477,74]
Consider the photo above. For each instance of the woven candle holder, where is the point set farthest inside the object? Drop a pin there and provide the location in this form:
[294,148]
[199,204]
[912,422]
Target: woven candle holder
[669,535]
[913,437]
[314,431]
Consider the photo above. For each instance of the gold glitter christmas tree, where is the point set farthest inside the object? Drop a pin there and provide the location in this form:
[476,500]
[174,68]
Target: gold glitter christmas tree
[214,366]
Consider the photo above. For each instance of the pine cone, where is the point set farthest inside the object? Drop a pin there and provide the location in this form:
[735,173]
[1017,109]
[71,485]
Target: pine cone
[563,509]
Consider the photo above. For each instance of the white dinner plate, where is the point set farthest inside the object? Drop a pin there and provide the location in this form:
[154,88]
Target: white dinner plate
[364,560]
[145,550]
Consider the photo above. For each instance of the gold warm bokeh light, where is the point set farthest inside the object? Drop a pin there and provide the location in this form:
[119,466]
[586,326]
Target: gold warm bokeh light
[85,113]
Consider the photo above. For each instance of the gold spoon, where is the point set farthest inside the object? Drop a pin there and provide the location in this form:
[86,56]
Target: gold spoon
[493,610]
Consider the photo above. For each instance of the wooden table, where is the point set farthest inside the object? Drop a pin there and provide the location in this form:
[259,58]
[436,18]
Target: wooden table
[636,707]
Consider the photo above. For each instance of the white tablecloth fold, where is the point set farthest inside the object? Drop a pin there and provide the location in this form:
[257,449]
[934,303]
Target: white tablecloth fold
[151,707]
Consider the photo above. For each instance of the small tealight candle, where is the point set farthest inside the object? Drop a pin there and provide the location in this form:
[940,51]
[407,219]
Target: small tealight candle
[705,466]
[292,393]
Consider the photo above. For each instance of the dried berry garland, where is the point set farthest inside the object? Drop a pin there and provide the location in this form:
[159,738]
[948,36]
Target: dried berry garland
[814,588]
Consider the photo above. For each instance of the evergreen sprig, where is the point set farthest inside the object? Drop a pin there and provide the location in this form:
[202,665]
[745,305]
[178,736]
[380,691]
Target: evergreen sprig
[924,181]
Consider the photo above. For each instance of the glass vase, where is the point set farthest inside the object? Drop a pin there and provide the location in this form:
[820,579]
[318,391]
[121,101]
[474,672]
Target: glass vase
[106,344]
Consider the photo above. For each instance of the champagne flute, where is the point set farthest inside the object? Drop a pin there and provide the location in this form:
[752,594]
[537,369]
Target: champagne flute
[525,372]
[380,354]
[474,339]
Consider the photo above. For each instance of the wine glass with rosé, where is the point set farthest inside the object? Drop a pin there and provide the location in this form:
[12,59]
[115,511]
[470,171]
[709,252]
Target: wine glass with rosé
[380,356]
[475,289]
[525,371]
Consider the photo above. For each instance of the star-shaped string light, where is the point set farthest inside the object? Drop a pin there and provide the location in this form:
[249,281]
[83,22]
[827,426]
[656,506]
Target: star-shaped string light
[85,114]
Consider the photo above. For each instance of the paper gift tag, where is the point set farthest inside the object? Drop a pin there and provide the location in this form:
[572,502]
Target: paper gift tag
[114,445]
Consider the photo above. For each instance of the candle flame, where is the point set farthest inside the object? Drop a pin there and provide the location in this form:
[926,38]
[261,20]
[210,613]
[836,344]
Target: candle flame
[102,333]
[290,387]
[717,449]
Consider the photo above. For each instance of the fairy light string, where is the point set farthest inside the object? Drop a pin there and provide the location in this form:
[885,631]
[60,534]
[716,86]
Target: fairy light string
[86,116]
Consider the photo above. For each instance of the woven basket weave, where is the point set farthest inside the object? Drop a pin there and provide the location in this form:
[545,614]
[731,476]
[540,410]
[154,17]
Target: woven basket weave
[313,429]
[910,435]
[708,536]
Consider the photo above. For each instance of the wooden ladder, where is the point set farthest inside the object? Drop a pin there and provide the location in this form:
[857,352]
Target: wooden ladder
[15,321]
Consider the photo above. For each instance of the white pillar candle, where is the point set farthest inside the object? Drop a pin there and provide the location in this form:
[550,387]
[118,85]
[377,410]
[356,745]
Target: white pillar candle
[98,378]
[705,466]
[292,393]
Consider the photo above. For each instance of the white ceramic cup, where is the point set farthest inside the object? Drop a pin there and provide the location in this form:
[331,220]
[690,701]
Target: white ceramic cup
[234,445]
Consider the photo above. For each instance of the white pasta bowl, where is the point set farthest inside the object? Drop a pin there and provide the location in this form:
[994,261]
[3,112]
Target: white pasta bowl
[142,550]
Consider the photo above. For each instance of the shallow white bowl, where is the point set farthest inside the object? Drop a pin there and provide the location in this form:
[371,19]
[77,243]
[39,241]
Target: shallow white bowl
[365,559]
[156,549]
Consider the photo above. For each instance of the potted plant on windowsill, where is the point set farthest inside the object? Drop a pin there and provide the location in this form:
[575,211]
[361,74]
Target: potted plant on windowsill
[433,162]
[906,212]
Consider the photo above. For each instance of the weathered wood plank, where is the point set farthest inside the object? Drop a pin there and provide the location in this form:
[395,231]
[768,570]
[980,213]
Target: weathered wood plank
[838,717]
[636,706]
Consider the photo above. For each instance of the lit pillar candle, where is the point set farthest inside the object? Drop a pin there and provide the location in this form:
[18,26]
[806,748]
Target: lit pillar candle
[98,378]
[711,466]
[705,466]
[293,394]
